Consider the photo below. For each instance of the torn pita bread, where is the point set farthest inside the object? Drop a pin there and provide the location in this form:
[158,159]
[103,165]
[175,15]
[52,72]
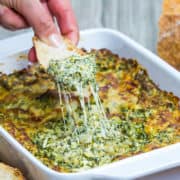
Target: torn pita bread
[10,173]
[45,52]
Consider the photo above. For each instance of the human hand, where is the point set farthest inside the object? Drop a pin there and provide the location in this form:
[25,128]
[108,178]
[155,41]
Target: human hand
[39,14]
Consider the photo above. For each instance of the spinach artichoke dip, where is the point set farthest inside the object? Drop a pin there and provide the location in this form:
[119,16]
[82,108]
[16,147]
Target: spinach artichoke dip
[74,71]
[124,114]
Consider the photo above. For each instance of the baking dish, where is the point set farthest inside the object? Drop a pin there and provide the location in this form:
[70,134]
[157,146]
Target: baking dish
[140,165]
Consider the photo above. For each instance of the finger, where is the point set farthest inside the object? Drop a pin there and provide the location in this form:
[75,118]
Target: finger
[41,20]
[32,55]
[63,11]
[11,20]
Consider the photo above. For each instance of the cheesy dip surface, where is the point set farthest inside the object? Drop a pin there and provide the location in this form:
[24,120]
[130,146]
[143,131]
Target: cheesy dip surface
[141,117]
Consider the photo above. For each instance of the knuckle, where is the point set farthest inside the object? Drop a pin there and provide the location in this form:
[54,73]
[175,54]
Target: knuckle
[45,26]
[3,11]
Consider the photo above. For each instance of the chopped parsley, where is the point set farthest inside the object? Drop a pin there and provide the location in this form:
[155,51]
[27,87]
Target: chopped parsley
[141,117]
[74,71]
[78,148]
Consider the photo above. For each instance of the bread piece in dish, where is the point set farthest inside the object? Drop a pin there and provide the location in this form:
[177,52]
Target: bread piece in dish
[10,173]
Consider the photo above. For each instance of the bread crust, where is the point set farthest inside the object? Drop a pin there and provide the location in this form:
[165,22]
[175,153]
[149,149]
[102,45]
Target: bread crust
[45,52]
[171,7]
[10,173]
[169,33]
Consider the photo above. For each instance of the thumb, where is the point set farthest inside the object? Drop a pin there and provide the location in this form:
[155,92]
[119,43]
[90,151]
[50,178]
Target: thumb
[39,17]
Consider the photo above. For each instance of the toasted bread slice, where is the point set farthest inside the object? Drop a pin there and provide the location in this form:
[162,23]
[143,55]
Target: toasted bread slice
[10,173]
[169,33]
[169,23]
[171,7]
[45,52]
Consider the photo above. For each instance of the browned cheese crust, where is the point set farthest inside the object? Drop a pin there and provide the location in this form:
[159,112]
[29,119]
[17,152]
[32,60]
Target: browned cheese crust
[28,99]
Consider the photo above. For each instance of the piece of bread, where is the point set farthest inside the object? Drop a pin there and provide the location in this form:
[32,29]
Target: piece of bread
[169,33]
[171,7]
[45,52]
[10,173]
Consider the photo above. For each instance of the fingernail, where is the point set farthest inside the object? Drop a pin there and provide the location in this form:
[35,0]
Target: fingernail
[73,37]
[56,40]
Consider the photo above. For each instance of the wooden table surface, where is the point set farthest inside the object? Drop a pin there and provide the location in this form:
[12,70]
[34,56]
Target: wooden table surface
[136,18]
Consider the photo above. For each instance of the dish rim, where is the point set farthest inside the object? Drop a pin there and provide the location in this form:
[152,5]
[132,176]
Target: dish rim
[158,61]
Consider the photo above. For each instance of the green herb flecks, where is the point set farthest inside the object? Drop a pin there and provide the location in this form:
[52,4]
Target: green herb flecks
[73,71]
[77,149]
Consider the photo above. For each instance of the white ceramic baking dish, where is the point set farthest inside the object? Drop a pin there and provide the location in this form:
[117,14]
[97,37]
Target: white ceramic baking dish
[137,166]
